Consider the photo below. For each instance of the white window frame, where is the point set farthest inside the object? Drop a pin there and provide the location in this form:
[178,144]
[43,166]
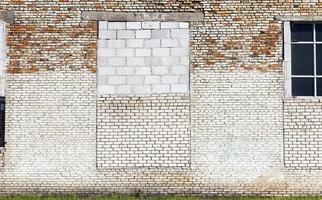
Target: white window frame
[288,61]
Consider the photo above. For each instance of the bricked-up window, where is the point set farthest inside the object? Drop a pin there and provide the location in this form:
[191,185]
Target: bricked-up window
[306,59]
[3,50]
[2,121]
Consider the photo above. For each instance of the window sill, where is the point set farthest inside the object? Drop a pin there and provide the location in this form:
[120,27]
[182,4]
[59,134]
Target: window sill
[304,98]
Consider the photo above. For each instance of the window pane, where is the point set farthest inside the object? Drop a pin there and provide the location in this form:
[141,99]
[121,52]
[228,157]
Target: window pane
[319,59]
[319,86]
[301,32]
[318,29]
[302,59]
[303,86]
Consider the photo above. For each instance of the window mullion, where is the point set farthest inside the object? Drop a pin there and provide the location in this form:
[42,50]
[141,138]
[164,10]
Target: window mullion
[314,54]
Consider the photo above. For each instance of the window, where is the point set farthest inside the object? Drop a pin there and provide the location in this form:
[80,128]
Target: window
[303,56]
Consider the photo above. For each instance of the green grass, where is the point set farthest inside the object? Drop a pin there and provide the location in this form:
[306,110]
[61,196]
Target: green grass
[161,197]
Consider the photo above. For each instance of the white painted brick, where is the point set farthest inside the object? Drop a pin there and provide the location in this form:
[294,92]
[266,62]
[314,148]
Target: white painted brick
[142,89]
[102,61]
[149,61]
[143,52]
[102,80]
[135,80]
[117,61]
[143,34]
[143,70]
[160,34]
[145,61]
[169,25]
[116,25]
[150,25]
[184,79]
[184,60]
[101,43]
[179,52]
[116,43]
[134,42]
[107,34]
[179,88]
[160,70]
[133,25]
[171,79]
[126,52]
[169,43]
[124,89]
[106,71]
[106,89]
[158,89]
[152,80]
[102,25]
[135,61]
[180,33]
[184,42]
[169,60]
[179,70]
[184,25]
[106,52]
[116,80]
[124,34]
[153,43]
[125,71]
[161,51]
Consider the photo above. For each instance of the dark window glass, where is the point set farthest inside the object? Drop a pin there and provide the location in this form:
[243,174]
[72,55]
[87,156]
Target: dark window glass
[302,59]
[319,86]
[319,59]
[303,86]
[301,32]
[2,121]
[318,32]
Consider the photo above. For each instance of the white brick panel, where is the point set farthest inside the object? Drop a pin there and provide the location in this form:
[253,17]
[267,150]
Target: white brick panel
[144,34]
[133,25]
[143,70]
[107,34]
[116,25]
[161,52]
[169,25]
[153,43]
[135,61]
[180,33]
[126,52]
[102,25]
[125,71]
[160,34]
[125,34]
[143,52]
[140,55]
[134,42]
[150,25]
[160,70]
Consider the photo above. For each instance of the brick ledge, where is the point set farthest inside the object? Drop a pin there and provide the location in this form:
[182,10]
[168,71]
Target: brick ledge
[7,16]
[143,16]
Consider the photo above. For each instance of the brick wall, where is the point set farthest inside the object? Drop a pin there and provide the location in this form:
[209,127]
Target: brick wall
[237,115]
[143,132]
[302,125]
[3,50]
